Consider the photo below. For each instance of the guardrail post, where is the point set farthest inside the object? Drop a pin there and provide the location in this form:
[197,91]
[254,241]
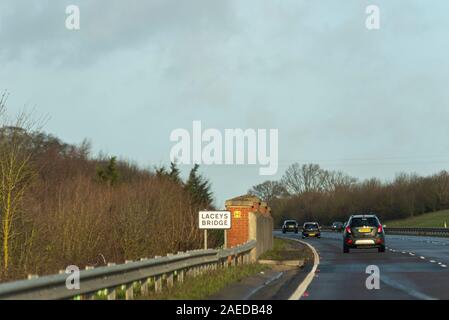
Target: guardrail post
[144,284]
[129,293]
[129,287]
[89,296]
[111,292]
[180,276]
[195,271]
[158,283]
[170,280]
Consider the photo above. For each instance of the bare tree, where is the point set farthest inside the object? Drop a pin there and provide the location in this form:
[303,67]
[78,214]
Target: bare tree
[441,181]
[16,174]
[306,178]
[334,180]
[268,190]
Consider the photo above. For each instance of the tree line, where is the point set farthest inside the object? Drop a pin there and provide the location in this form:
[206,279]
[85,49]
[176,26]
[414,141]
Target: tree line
[309,192]
[60,205]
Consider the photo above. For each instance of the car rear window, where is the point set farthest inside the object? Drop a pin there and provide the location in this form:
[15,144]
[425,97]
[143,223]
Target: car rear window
[360,222]
[310,225]
[290,223]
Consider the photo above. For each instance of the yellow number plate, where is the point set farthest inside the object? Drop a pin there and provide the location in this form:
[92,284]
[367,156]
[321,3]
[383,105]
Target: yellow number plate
[311,234]
[365,230]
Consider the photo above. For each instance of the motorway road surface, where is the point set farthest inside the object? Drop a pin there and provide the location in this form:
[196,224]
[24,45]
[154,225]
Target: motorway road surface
[411,268]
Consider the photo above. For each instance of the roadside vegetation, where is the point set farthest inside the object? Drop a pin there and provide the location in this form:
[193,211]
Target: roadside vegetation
[275,253]
[438,219]
[284,249]
[60,205]
[208,283]
[310,193]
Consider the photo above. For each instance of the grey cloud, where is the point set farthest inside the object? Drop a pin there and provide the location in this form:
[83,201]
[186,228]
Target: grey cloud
[37,28]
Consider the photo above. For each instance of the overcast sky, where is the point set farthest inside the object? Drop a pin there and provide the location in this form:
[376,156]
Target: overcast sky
[370,103]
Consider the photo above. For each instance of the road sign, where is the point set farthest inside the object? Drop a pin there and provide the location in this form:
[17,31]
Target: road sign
[214,220]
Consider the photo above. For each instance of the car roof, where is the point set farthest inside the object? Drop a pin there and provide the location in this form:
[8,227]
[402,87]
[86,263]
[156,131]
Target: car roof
[363,216]
[311,222]
[290,220]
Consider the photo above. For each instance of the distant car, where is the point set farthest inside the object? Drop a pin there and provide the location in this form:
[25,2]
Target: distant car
[311,229]
[363,231]
[337,226]
[290,226]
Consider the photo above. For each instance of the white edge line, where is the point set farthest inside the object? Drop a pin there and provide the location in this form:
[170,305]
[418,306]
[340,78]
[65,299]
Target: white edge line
[310,276]
[267,282]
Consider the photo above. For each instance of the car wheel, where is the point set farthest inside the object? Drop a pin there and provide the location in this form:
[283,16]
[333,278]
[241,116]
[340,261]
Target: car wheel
[381,249]
[345,249]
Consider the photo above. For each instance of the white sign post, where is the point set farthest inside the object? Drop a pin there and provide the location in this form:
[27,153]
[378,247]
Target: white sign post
[214,220]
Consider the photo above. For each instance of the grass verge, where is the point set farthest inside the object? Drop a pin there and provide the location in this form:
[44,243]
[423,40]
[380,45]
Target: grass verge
[430,220]
[279,245]
[207,284]
[284,249]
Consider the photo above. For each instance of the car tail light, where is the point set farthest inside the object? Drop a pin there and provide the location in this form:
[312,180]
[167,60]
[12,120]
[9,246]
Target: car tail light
[379,229]
[349,241]
[348,229]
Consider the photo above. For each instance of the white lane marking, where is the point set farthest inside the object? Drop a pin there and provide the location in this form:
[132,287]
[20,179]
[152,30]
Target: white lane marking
[443,265]
[440,263]
[274,278]
[308,279]
[432,261]
[411,253]
[422,257]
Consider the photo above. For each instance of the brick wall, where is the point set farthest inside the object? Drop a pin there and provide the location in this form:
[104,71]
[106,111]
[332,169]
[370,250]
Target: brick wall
[242,230]
[238,233]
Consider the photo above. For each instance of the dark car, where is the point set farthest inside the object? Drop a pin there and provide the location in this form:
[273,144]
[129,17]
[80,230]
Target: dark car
[311,229]
[363,231]
[290,226]
[337,226]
